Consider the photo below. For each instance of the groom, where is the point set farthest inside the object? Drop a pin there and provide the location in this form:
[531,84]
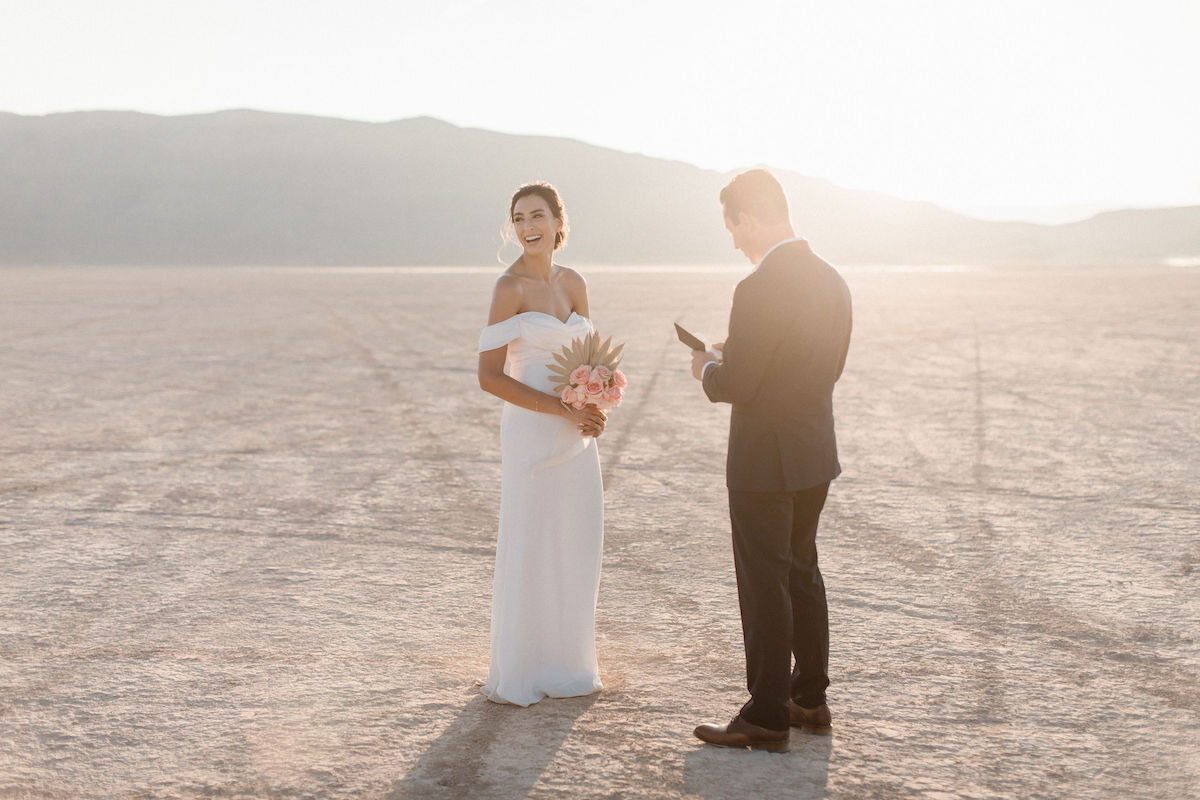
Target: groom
[789,330]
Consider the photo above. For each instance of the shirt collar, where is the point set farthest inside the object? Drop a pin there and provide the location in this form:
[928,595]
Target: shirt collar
[776,247]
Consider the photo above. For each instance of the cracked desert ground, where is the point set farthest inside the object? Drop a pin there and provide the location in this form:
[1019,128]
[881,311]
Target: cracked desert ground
[247,521]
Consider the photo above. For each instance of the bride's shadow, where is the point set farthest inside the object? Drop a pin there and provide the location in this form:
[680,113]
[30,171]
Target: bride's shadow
[714,772]
[493,750]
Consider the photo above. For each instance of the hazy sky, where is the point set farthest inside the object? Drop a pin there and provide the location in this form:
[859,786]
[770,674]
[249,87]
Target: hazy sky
[972,104]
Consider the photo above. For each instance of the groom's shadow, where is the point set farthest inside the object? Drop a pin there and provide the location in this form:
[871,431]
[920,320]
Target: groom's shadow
[801,773]
[493,750]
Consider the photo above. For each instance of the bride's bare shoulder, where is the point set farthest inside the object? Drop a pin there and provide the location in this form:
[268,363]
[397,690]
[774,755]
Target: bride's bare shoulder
[569,273]
[573,279]
[576,290]
[507,296]
[508,281]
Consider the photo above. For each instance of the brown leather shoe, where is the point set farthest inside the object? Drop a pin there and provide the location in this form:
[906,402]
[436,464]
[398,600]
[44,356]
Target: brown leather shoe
[739,733]
[817,718]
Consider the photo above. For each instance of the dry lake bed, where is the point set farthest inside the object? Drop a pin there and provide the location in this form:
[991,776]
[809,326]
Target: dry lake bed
[247,521]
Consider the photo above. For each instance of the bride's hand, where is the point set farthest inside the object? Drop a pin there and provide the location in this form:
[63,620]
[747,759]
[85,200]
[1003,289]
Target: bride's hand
[590,420]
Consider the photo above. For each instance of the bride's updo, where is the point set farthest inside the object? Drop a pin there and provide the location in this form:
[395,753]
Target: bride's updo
[550,195]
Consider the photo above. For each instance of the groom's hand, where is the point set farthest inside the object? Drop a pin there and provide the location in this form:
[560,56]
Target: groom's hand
[699,359]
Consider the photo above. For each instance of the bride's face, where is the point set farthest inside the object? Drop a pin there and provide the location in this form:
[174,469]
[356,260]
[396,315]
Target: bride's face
[535,225]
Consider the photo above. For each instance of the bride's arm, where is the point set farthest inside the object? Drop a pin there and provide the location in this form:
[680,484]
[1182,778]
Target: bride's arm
[505,303]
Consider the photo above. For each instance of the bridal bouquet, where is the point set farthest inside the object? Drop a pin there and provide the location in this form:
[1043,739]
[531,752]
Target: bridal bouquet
[585,373]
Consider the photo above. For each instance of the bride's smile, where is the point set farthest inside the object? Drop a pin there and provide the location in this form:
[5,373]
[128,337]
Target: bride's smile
[536,227]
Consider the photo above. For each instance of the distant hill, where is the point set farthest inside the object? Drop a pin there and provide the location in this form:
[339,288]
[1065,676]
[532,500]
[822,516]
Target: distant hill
[248,187]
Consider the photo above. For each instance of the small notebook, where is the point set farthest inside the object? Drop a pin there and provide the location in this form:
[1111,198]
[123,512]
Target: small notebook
[690,339]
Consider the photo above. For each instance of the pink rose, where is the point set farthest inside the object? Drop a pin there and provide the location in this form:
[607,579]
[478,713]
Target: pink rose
[568,395]
[581,375]
[601,374]
[594,387]
[619,379]
[613,395]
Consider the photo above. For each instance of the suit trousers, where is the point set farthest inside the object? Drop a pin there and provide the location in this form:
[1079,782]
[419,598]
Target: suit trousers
[782,599]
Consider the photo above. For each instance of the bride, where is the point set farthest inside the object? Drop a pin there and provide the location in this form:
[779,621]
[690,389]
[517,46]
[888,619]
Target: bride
[551,499]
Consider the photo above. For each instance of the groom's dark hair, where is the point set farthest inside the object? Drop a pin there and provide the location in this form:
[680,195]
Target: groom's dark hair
[758,193]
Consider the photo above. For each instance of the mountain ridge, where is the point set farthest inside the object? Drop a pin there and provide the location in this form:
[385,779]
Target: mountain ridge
[243,186]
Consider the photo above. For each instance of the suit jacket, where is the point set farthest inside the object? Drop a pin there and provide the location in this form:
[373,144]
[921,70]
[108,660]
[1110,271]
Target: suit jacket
[789,330]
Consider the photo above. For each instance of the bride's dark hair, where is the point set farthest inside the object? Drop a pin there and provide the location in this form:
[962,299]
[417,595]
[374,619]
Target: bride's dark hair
[550,195]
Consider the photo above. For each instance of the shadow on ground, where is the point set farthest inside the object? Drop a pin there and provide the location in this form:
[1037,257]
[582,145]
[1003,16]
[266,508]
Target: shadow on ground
[492,750]
[717,772]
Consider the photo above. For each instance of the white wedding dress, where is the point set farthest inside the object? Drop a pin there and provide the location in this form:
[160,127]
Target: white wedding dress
[551,530]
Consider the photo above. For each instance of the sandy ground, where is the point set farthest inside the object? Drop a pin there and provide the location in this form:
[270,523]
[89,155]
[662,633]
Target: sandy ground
[247,521]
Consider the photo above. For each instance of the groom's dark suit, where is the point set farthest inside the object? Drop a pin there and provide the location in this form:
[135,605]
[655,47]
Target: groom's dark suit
[789,330]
